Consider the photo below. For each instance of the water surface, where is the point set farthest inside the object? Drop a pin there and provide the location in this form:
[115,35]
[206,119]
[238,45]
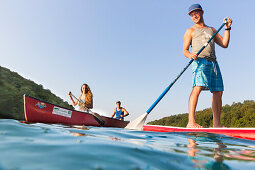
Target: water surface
[45,146]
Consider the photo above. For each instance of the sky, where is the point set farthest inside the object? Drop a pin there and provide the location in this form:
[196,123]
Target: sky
[127,50]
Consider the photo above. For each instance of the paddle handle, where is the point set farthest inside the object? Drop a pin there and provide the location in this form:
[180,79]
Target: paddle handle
[76,98]
[168,87]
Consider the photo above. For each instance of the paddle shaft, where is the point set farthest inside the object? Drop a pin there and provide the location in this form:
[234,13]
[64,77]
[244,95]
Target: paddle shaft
[168,87]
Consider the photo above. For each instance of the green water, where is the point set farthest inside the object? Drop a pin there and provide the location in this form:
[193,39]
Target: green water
[43,146]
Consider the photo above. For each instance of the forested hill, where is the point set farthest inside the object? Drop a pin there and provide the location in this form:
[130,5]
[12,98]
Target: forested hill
[12,88]
[236,115]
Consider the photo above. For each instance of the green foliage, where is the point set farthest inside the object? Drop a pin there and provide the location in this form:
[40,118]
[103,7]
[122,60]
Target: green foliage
[236,115]
[12,89]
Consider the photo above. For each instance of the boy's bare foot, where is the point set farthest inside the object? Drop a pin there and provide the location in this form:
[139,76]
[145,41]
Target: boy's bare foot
[193,125]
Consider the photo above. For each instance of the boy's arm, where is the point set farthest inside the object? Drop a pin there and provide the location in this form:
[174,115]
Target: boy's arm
[223,41]
[186,43]
[113,113]
[126,113]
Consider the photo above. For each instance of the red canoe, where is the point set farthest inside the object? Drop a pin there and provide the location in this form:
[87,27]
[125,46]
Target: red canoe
[244,133]
[40,111]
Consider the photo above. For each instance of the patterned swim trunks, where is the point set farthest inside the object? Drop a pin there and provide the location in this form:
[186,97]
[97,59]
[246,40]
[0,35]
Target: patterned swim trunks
[207,74]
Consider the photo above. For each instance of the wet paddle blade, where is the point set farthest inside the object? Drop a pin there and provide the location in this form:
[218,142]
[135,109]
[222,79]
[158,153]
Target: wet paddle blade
[138,123]
[98,118]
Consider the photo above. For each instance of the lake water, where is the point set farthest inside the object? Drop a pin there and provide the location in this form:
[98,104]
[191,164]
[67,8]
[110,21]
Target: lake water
[43,146]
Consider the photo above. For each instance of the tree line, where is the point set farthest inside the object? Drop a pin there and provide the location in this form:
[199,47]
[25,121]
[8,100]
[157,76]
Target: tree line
[13,87]
[235,115]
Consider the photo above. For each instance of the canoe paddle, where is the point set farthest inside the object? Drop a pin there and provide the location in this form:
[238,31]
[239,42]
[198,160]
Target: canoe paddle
[97,117]
[138,123]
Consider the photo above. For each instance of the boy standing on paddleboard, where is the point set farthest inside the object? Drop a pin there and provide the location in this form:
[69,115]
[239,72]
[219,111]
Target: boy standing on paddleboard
[205,68]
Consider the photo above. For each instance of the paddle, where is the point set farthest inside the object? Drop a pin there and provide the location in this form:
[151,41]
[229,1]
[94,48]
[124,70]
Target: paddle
[138,123]
[97,117]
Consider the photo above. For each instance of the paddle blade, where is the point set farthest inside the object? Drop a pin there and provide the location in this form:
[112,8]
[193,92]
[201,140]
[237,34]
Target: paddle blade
[98,118]
[138,123]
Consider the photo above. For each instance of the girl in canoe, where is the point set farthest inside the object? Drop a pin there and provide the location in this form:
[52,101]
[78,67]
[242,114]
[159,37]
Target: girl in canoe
[85,101]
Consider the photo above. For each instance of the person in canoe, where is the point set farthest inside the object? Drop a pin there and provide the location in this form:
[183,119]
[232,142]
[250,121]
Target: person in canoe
[85,100]
[119,111]
[205,68]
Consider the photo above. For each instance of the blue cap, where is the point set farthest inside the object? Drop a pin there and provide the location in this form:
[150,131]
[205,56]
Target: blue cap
[194,7]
